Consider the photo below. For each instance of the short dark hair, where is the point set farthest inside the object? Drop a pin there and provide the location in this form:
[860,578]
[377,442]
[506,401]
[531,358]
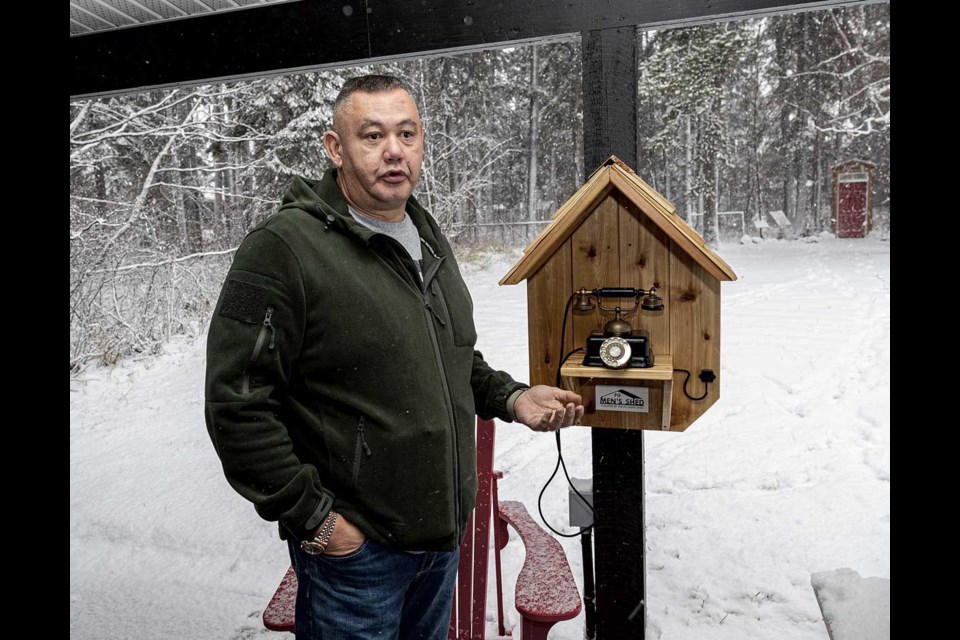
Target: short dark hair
[368,84]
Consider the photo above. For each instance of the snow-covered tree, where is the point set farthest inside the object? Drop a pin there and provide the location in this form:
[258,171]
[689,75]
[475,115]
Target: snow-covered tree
[686,75]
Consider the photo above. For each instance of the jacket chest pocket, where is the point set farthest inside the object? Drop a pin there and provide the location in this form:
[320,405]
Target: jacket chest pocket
[455,312]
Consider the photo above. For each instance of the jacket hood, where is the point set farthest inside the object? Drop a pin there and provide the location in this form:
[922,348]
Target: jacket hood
[324,200]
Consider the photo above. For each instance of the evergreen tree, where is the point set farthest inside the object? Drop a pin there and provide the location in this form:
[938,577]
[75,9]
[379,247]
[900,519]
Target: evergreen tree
[686,74]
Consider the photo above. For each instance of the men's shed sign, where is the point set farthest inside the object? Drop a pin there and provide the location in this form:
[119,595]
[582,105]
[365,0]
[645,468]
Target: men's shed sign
[610,398]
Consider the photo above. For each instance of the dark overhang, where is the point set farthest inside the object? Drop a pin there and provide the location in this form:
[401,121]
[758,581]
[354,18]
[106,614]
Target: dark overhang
[255,38]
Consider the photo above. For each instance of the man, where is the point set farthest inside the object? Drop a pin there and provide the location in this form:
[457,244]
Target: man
[342,381]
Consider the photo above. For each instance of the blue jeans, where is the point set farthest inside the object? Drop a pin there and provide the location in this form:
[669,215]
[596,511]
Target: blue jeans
[374,592]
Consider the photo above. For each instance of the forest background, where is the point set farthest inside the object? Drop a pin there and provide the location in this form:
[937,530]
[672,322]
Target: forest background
[735,120]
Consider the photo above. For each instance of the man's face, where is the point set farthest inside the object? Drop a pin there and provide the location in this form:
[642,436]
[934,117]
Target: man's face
[377,147]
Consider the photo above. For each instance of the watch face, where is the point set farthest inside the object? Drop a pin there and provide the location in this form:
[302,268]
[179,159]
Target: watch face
[615,352]
[311,547]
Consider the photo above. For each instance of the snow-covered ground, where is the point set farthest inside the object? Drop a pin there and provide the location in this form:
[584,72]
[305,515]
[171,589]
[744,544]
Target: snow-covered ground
[788,474]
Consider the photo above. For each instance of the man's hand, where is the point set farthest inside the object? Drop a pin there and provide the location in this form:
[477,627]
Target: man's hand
[544,408]
[345,539]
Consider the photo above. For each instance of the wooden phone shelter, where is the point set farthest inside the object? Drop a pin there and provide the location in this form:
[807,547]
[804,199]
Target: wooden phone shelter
[617,231]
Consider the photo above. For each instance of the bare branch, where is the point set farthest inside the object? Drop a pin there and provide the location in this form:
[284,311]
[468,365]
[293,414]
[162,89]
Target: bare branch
[142,265]
[81,115]
[124,120]
[123,205]
[141,198]
[839,74]
[213,168]
[221,192]
[843,36]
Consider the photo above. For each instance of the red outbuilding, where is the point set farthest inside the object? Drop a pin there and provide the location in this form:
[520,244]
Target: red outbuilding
[852,184]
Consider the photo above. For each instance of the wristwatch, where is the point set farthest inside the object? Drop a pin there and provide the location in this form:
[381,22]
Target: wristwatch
[318,544]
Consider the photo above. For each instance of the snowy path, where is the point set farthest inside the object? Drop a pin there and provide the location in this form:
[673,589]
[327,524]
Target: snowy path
[788,474]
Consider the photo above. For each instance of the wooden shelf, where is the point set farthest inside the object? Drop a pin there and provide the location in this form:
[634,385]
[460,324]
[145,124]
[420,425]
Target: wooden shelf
[662,369]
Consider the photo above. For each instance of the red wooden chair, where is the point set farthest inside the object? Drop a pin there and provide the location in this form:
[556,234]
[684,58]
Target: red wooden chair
[546,592]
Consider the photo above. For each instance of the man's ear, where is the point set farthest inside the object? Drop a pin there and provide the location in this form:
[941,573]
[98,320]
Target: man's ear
[331,144]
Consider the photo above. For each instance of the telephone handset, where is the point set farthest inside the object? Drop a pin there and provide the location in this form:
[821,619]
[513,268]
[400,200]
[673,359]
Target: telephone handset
[618,346]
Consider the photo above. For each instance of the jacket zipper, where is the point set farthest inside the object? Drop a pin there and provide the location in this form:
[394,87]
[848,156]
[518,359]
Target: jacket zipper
[267,324]
[433,311]
[429,311]
[361,446]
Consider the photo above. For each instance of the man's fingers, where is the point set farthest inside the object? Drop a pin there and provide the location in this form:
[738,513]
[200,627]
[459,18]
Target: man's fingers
[551,421]
[545,420]
[560,417]
[569,415]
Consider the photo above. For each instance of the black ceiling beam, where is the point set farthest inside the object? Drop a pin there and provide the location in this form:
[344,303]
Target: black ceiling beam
[317,34]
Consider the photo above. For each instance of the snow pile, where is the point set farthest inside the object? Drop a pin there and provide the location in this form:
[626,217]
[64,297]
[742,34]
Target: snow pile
[854,608]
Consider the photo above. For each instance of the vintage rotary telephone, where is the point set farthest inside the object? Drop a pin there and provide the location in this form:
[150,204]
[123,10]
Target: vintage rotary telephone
[618,346]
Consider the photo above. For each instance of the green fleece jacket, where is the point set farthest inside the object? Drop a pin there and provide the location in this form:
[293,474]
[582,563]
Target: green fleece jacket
[336,378]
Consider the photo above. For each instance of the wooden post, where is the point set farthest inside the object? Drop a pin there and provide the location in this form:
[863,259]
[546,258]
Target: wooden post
[610,128]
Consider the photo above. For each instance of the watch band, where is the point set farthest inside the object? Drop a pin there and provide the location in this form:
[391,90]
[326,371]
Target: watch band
[512,402]
[318,544]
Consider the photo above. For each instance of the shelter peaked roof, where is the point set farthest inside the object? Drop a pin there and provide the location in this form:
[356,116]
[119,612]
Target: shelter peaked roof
[615,174]
[854,161]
